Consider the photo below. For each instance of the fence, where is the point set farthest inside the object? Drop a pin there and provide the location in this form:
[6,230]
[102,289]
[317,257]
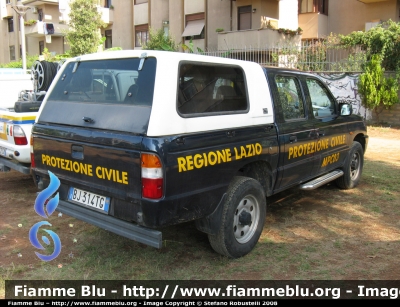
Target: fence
[309,56]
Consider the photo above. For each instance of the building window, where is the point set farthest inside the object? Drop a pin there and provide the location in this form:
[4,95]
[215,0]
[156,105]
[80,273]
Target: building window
[8,1]
[306,6]
[12,53]
[107,3]
[11,24]
[194,26]
[40,14]
[313,6]
[108,35]
[141,35]
[244,17]
[41,47]
[141,1]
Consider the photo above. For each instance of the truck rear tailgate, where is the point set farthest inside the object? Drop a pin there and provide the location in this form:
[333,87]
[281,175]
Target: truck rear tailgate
[107,165]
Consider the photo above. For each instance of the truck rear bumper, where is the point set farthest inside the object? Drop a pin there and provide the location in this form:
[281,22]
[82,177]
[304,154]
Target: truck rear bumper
[5,163]
[131,231]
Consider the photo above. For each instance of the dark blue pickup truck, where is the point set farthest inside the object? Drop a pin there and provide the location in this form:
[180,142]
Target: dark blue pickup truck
[145,140]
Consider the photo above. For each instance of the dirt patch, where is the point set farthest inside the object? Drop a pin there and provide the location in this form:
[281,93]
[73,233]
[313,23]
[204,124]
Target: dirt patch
[18,216]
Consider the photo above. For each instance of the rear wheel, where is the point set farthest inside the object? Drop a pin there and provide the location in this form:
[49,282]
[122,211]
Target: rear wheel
[353,168]
[242,219]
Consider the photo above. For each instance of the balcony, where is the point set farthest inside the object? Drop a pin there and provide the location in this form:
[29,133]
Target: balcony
[141,14]
[7,11]
[38,2]
[37,30]
[107,15]
[314,25]
[255,38]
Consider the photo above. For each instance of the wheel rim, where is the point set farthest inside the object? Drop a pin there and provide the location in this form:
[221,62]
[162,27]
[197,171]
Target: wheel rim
[246,217]
[38,74]
[355,165]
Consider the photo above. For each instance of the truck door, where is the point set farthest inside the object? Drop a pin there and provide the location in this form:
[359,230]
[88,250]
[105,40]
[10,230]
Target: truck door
[296,131]
[333,139]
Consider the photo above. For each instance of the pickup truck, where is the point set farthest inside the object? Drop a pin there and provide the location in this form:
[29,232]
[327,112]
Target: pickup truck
[143,140]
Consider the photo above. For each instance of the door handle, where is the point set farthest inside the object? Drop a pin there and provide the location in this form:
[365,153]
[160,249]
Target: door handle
[321,133]
[180,141]
[88,120]
[77,152]
[293,138]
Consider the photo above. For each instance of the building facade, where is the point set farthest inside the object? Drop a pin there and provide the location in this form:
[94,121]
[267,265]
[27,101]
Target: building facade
[212,24]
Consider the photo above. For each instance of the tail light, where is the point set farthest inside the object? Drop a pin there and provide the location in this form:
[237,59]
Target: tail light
[33,165]
[152,176]
[19,136]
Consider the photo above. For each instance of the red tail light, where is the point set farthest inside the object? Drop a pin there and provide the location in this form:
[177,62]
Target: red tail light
[152,177]
[33,165]
[19,136]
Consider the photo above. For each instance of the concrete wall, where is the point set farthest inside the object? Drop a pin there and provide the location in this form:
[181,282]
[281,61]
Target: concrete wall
[254,38]
[141,14]
[8,39]
[288,14]
[388,116]
[159,12]
[176,23]
[123,28]
[346,16]
[218,16]
[269,9]
[194,6]
[13,38]
[314,25]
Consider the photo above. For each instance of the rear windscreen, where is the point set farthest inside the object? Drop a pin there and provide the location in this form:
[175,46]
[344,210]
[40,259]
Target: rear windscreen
[107,81]
[103,94]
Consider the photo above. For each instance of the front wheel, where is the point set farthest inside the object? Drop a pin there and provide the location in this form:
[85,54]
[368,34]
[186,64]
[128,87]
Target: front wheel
[242,219]
[353,168]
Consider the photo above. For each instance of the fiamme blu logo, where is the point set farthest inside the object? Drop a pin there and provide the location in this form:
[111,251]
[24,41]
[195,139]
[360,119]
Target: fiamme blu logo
[45,205]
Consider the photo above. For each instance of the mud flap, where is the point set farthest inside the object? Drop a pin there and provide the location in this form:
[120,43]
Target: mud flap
[210,224]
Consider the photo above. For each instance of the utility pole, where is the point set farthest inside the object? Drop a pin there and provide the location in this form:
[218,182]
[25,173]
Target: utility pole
[21,11]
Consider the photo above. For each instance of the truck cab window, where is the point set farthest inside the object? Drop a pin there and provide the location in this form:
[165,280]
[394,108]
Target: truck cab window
[322,102]
[290,97]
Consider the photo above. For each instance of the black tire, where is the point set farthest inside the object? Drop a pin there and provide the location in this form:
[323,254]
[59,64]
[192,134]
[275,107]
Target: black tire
[353,168]
[242,220]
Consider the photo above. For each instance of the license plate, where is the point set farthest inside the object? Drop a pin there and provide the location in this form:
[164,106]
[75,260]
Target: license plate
[3,151]
[89,199]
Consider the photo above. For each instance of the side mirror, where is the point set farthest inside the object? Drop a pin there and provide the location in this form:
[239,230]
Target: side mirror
[346,109]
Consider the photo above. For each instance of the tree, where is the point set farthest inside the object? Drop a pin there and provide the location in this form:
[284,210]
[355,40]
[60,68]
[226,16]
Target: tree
[85,22]
[375,89]
[381,40]
[159,41]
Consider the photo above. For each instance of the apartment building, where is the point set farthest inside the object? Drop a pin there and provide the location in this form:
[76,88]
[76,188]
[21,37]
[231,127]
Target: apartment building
[45,24]
[212,24]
